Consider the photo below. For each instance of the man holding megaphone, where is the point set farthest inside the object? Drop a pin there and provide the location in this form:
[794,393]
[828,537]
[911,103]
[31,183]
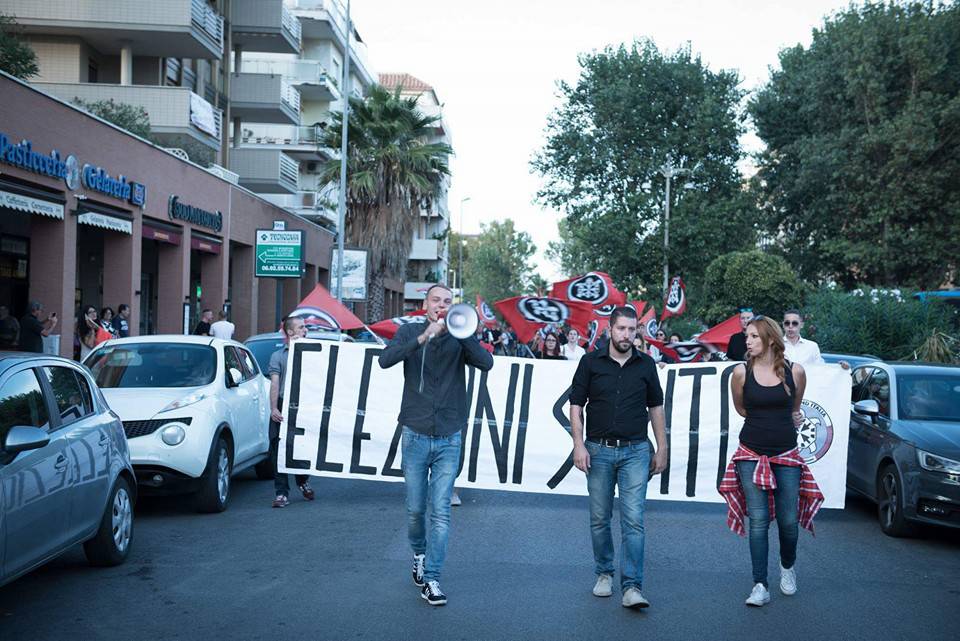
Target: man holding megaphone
[433,414]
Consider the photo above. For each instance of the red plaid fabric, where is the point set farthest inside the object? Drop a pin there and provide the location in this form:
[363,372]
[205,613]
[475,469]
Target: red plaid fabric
[811,498]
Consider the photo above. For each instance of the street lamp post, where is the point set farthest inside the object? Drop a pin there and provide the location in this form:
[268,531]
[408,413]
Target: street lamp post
[342,199]
[460,247]
[669,171]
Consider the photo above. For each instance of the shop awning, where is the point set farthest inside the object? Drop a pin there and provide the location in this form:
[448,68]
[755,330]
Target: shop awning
[31,205]
[158,231]
[104,217]
[205,244]
[106,222]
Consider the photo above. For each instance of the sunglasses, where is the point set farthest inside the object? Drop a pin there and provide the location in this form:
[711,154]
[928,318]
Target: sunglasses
[791,323]
[746,309]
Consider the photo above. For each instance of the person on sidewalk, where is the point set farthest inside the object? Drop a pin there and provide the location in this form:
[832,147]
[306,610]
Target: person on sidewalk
[293,329]
[122,321]
[620,389]
[737,347]
[767,467]
[433,415]
[223,328]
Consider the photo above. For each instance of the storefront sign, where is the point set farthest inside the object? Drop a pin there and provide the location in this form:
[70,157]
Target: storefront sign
[67,167]
[188,213]
[106,222]
[97,179]
[279,254]
[354,274]
[31,205]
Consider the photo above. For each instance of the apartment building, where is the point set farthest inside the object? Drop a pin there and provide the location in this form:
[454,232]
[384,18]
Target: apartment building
[429,254]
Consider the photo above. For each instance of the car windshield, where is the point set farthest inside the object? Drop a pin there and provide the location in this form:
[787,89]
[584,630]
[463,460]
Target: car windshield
[929,397]
[262,349]
[153,365]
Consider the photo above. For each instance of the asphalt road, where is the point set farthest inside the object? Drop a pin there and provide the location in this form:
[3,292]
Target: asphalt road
[519,567]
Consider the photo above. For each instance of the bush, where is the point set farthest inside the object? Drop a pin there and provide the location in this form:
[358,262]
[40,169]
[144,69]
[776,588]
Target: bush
[886,323]
[753,279]
[132,118]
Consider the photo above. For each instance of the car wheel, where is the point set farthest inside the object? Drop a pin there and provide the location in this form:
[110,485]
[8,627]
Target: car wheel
[890,503]
[264,470]
[215,484]
[111,544]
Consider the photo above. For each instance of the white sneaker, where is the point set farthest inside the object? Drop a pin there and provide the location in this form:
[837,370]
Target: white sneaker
[759,596]
[788,580]
[632,598]
[455,499]
[603,586]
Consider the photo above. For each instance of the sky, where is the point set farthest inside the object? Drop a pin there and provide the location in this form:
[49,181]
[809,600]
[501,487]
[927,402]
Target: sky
[495,65]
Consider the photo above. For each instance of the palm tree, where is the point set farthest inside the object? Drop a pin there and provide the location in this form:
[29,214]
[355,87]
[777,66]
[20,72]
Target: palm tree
[391,171]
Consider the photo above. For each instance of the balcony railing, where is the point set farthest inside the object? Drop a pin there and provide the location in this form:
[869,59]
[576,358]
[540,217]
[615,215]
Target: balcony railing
[290,95]
[291,24]
[255,134]
[204,16]
[292,70]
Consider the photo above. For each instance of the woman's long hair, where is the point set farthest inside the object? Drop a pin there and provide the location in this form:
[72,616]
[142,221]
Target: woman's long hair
[771,337]
[556,346]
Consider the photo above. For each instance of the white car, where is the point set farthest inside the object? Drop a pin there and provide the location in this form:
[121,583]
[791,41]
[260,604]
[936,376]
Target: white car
[195,411]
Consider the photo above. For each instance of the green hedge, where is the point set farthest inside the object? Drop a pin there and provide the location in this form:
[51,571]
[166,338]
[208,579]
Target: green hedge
[890,324]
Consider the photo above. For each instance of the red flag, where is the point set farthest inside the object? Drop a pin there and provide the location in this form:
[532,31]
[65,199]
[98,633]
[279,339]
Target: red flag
[676,301]
[719,335]
[595,288]
[685,352]
[487,317]
[646,318]
[388,327]
[527,314]
[320,310]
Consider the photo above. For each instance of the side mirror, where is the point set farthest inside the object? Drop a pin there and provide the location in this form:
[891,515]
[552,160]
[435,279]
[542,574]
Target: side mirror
[234,377]
[868,407]
[21,438]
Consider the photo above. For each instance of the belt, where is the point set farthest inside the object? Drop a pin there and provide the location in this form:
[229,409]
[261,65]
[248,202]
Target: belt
[615,442]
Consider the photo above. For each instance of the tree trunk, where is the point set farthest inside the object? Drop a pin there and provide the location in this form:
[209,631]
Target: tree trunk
[375,296]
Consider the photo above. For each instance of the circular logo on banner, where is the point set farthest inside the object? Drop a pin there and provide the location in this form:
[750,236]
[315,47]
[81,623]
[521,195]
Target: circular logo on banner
[816,434]
[589,289]
[605,310]
[542,310]
[315,318]
[651,327]
[486,313]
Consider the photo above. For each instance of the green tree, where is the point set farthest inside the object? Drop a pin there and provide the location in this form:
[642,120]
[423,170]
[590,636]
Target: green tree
[16,56]
[632,110]
[859,177]
[133,119]
[391,169]
[753,278]
[499,263]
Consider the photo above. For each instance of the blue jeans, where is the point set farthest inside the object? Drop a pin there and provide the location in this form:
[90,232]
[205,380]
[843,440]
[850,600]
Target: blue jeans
[430,466]
[629,468]
[786,501]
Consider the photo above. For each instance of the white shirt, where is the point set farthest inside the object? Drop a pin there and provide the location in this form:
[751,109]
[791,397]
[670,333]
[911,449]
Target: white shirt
[804,352]
[572,352]
[222,329]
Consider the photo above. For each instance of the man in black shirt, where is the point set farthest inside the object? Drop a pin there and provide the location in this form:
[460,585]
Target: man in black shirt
[32,329]
[617,385]
[203,327]
[122,322]
[433,413]
[737,347]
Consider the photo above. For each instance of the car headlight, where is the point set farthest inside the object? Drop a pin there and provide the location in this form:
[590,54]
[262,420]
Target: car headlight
[173,434]
[935,463]
[189,399]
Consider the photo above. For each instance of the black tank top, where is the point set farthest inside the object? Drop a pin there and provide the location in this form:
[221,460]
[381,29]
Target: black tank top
[768,428]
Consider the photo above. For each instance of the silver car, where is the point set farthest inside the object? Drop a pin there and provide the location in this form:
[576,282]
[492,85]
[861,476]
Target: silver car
[65,473]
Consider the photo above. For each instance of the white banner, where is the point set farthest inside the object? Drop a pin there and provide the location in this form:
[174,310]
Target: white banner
[341,412]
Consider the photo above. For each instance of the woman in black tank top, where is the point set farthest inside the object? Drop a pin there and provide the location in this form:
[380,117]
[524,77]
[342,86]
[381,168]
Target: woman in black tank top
[767,392]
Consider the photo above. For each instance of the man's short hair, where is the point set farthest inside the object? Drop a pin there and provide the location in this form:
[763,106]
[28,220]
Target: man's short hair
[122,308]
[35,305]
[206,310]
[793,311]
[289,321]
[436,285]
[625,311]
[222,314]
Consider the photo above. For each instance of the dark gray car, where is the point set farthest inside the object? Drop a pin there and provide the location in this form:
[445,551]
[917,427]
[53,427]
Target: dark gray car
[905,443]
[65,473]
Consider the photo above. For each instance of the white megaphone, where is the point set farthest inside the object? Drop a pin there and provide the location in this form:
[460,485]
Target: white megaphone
[461,320]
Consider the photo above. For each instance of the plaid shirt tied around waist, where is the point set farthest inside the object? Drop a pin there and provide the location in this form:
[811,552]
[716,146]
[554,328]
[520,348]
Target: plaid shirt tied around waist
[811,498]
